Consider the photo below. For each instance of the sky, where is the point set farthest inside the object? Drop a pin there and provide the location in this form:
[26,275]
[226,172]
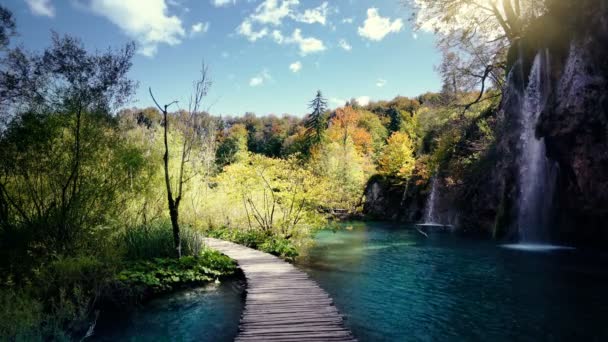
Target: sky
[264,56]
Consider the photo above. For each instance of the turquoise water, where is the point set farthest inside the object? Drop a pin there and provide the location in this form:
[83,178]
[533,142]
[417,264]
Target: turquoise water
[208,313]
[393,284]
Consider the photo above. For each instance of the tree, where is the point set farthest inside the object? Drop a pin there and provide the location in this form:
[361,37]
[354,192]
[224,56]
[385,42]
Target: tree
[279,195]
[397,158]
[7,27]
[316,122]
[474,37]
[186,121]
[57,139]
[233,146]
[346,124]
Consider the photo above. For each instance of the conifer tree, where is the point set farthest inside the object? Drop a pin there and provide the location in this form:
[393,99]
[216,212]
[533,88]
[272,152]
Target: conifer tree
[316,122]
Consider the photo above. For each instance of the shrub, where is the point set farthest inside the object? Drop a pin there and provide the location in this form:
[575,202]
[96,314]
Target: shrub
[281,247]
[20,316]
[266,242]
[161,275]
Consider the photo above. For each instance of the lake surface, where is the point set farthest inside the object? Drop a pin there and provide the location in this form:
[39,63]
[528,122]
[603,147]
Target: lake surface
[208,313]
[393,284]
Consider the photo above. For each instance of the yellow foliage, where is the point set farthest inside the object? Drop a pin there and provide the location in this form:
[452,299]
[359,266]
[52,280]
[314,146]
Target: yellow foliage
[397,158]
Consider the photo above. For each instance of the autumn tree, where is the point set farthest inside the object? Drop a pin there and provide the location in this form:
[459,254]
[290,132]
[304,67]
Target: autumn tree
[346,123]
[343,159]
[397,158]
[187,125]
[316,123]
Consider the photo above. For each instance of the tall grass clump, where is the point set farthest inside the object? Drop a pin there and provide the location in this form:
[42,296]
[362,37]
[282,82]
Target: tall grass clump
[156,241]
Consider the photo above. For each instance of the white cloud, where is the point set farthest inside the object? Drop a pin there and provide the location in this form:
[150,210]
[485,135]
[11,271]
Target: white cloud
[380,83]
[246,29]
[256,81]
[223,3]
[314,15]
[278,36]
[146,22]
[376,27]
[415,35]
[199,28]
[307,45]
[345,45]
[260,78]
[295,66]
[348,20]
[271,12]
[363,100]
[41,7]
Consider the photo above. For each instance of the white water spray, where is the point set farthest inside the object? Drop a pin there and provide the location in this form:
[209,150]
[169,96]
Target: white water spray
[430,210]
[536,171]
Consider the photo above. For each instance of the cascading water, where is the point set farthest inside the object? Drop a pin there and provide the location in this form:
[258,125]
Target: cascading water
[429,214]
[537,174]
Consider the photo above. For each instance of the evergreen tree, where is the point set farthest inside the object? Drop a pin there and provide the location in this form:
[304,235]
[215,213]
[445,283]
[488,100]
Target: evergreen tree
[316,122]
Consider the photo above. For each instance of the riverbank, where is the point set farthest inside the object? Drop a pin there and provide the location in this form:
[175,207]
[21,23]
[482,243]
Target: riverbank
[62,299]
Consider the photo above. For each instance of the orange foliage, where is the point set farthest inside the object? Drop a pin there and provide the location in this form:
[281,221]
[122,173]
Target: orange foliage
[344,125]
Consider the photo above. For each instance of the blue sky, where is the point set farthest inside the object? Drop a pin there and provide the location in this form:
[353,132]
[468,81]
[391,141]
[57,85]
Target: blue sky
[265,56]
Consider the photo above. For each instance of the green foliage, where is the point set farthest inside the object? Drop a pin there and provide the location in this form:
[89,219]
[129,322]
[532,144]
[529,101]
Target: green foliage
[279,196]
[280,247]
[20,316]
[161,275]
[264,241]
[233,146]
[316,122]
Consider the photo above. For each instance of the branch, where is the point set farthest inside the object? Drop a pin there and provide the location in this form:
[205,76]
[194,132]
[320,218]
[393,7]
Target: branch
[481,92]
[156,102]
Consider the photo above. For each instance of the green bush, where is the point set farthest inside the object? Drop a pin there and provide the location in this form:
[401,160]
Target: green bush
[70,287]
[280,247]
[21,316]
[256,239]
[53,301]
[161,275]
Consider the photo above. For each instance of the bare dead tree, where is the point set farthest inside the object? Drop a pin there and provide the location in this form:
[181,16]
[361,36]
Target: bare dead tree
[188,129]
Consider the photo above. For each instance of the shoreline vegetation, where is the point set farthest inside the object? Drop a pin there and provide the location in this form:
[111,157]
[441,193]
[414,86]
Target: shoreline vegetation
[83,189]
[102,204]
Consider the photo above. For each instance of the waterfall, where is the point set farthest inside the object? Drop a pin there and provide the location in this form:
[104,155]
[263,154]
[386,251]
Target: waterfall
[429,211]
[536,172]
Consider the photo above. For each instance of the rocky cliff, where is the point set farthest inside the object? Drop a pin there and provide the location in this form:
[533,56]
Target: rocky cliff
[572,39]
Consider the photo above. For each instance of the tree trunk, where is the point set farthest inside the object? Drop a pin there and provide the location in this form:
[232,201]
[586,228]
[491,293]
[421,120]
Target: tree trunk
[173,204]
[174,214]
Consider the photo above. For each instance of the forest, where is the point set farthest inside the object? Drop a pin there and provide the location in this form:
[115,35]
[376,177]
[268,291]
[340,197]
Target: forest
[103,204]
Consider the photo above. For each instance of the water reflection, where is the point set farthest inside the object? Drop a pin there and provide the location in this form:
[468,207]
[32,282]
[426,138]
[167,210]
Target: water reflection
[393,284]
[208,313]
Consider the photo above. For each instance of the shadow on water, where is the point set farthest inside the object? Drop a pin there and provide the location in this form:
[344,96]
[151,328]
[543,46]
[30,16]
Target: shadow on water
[393,284]
[208,313]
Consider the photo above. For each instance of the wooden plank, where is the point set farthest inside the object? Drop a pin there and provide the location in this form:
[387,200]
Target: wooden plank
[282,303]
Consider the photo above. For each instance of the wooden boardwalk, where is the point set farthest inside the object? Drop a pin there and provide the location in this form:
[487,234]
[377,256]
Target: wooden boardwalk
[282,303]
